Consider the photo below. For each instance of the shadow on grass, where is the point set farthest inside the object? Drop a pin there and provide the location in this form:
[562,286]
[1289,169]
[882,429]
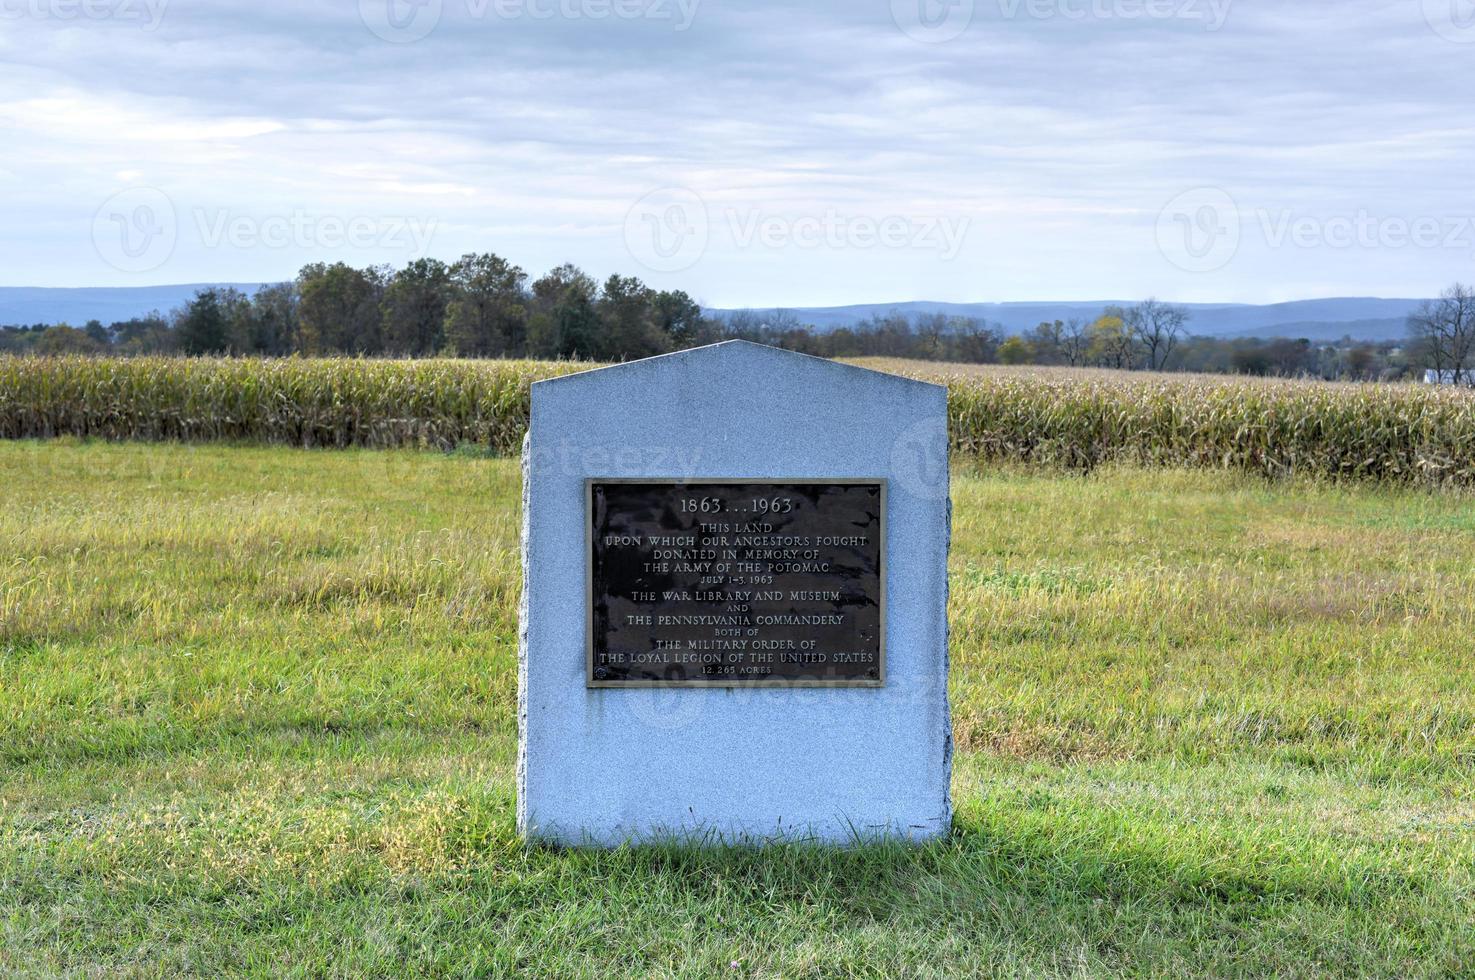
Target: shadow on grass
[1062,862]
[1005,892]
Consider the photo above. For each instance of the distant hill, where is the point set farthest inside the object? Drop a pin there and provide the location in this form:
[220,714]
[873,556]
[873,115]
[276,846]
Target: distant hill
[34,304]
[1316,319]
[1388,328]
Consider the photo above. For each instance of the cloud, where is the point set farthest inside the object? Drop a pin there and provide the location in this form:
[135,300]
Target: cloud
[1055,131]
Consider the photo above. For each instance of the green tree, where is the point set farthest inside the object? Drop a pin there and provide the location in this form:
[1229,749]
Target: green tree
[564,322]
[576,323]
[273,324]
[542,335]
[62,339]
[679,318]
[488,315]
[148,334]
[627,314]
[1016,350]
[415,306]
[1362,362]
[1048,341]
[1111,343]
[338,309]
[972,340]
[203,325]
[241,326]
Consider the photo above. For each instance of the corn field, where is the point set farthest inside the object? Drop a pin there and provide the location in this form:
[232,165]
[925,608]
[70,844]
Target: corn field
[310,403]
[1399,433]
[1073,419]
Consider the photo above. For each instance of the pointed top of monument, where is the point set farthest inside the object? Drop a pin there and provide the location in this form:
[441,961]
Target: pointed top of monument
[751,354]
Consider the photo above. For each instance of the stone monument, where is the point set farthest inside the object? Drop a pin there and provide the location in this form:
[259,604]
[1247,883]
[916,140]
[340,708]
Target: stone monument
[734,610]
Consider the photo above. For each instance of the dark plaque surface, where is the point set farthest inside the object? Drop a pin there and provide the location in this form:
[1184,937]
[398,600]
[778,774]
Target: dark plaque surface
[736,584]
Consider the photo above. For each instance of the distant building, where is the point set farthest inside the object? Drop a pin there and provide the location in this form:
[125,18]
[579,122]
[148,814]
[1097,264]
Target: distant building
[1467,378]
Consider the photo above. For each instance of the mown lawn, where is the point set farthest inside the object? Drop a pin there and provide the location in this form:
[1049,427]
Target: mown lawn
[257,714]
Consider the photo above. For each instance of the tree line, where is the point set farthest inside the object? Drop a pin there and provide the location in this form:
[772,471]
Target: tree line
[484,306]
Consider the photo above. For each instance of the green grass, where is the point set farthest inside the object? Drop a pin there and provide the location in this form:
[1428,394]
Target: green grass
[257,714]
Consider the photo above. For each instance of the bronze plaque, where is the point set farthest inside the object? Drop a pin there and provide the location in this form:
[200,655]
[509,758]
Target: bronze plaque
[737,583]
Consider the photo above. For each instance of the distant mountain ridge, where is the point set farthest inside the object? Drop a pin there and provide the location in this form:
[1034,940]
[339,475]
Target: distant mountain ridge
[1361,318]
[25,305]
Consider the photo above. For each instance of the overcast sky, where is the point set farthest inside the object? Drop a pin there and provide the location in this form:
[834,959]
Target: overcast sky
[752,153]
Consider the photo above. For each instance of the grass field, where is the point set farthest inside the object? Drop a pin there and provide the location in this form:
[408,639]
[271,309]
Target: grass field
[257,714]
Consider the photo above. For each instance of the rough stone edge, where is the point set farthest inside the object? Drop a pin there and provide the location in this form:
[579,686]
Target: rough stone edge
[945,824]
[525,550]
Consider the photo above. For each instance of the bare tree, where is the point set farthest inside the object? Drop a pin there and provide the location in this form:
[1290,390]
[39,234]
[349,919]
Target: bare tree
[1158,327]
[1046,340]
[931,328]
[1075,340]
[1445,331]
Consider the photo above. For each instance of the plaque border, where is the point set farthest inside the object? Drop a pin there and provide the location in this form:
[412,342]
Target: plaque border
[778,685]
